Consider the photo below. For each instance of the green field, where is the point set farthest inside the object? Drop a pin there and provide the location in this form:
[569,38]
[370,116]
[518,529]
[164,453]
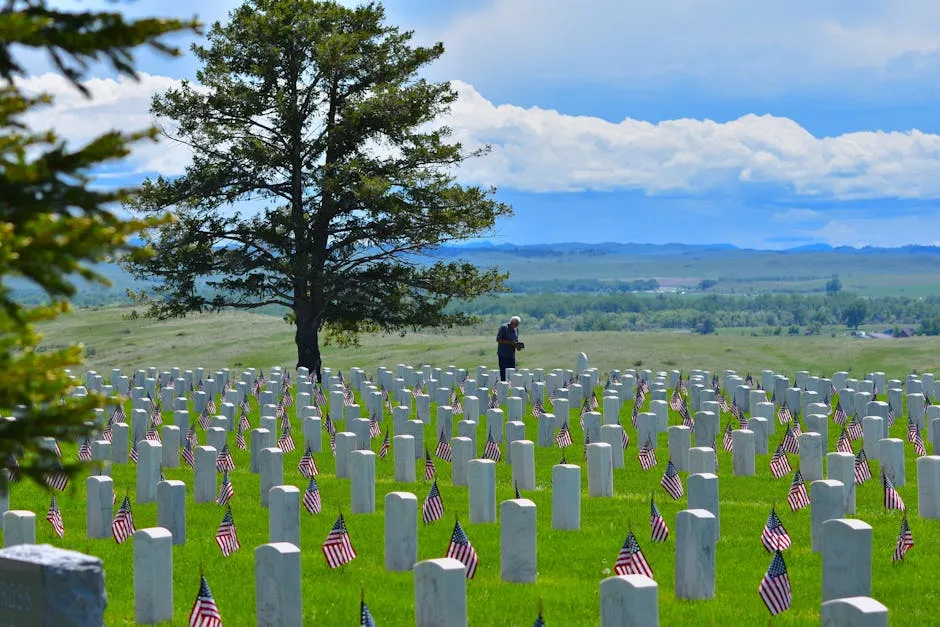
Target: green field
[571,564]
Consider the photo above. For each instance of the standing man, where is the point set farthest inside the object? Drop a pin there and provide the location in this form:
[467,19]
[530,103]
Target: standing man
[507,342]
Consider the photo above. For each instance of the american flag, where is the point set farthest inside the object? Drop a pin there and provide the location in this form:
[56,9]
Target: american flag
[57,479]
[913,434]
[191,435]
[350,399]
[286,441]
[657,523]
[624,438]
[584,410]
[905,541]
[633,416]
[122,527]
[240,438]
[118,414]
[210,406]
[328,426]
[204,419]
[790,444]
[893,500]
[647,455]
[320,397]
[728,440]
[854,429]
[593,403]
[494,401]
[671,482]
[443,449]
[84,451]
[152,435]
[226,492]
[429,470]
[307,466]
[226,537]
[243,421]
[774,537]
[155,416]
[840,416]
[205,613]
[862,470]
[133,455]
[735,410]
[774,588]
[433,508]
[285,420]
[587,440]
[188,454]
[461,550]
[797,498]
[12,467]
[491,450]
[374,429]
[57,448]
[224,461]
[365,616]
[843,444]
[455,403]
[675,401]
[783,414]
[890,417]
[245,406]
[687,420]
[383,451]
[539,622]
[106,434]
[288,399]
[630,560]
[54,516]
[537,409]
[563,438]
[337,548]
[312,497]
[333,444]
[779,464]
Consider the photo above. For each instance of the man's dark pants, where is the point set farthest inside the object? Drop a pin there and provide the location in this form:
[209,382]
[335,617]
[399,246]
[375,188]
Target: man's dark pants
[506,362]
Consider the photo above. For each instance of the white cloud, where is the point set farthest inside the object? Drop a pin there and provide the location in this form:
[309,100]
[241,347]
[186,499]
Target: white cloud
[541,150]
[544,151]
[772,45]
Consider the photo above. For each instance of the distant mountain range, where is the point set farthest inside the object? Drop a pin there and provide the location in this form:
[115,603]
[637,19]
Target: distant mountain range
[676,248]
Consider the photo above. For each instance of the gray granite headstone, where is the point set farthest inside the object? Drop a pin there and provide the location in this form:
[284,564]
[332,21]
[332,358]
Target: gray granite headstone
[50,587]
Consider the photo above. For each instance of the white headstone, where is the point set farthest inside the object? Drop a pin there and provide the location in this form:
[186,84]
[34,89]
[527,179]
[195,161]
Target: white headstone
[515,430]
[826,503]
[415,428]
[153,576]
[362,473]
[345,444]
[272,472]
[518,561]
[278,593]
[629,601]
[204,474]
[523,466]
[696,531]
[841,467]
[600,469]
[440,593]
[811,453]
[928,487]
[401,531]
[566,497]
[98,506]
[462,453]
[119,442]
[494,424]
[171,446]
[702,459]
[891,455]
[19,527]
[853,612]
[171,509]
[703,494]
[680,441]
[150,458]
[846,558]
[284,514]
[743,455]
[482,490]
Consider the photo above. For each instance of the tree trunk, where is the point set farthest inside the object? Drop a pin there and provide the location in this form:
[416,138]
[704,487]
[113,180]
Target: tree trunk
[307,339]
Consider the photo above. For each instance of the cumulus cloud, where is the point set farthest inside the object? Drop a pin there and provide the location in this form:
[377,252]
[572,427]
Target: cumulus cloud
[773,45]
[540,150]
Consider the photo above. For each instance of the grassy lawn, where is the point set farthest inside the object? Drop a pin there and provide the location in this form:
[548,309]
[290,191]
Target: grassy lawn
[571,564]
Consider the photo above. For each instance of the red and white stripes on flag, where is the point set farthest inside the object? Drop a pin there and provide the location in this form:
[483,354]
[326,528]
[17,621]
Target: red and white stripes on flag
[728,440]
[779,464]
[491,450]
[647,455]
[461,550]
[227,536]
[383,450]
[54,517]
[774,588]
[657,524]
[563,439]
[286,441]
[205,613]
[774,537]
[905,541]
[862,469]
[443,450]
[671,482]
[892,498]
[631,560]
[312,497]
[224,461]
[122,527]
[84,451]
[798,498]
[337,549]
[226,491]
[843,444]
[433,508]
[429,470]
[913,436]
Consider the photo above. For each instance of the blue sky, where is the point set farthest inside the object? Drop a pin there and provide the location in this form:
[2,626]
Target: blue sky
[764,125]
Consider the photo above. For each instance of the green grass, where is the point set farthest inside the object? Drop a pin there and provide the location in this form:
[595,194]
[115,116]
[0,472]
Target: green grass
[570,564]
